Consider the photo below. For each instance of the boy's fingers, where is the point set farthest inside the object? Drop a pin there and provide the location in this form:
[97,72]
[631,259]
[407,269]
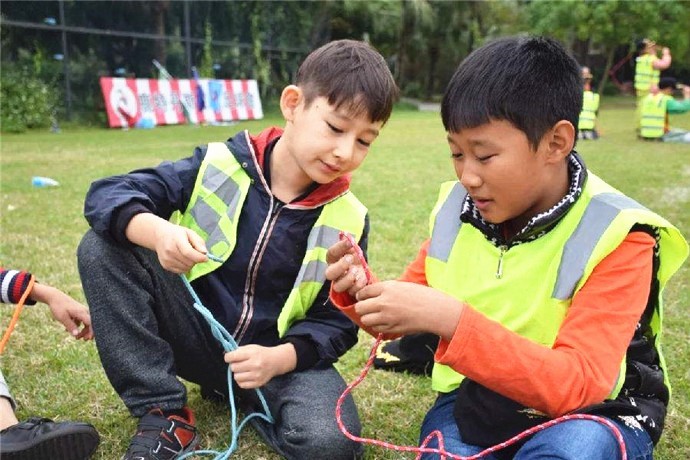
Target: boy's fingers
[83,316]
[191,255]
[235,356]
[370,291]
[70,326]
[337,251]
[349,277]
[196,241]
[86,333]
[339,268]
[360,282]
[373,319]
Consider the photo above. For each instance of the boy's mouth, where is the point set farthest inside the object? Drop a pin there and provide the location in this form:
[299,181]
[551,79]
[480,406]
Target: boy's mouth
[481,203]
[330,167]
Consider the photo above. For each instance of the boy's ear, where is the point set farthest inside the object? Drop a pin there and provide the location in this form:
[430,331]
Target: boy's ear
[561,140]
[290,99]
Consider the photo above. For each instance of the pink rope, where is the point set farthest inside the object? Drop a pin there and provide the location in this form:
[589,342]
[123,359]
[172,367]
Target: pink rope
[437,434]
[422,449]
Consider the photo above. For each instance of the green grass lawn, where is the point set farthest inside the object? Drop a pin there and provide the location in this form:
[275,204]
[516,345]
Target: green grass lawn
[54,376]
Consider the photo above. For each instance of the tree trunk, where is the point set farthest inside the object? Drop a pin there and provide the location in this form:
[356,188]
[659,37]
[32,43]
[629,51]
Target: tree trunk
[605,76]
[434,53]
[159,10]
[406,30]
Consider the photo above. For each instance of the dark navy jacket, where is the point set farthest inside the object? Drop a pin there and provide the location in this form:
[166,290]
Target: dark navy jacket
[247,293]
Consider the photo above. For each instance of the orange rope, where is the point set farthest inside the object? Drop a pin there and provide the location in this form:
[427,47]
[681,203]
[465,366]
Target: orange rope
[15,315]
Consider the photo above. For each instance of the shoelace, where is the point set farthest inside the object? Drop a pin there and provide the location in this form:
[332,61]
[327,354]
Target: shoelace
[229,344]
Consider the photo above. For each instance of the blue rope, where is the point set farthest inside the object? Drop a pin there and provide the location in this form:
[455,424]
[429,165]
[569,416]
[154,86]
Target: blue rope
[229,344]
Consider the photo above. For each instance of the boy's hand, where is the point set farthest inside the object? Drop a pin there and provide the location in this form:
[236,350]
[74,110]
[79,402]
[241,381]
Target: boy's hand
[686,92]
[397,307]
[65,310]
[345,269]
[178,248]
[254,365]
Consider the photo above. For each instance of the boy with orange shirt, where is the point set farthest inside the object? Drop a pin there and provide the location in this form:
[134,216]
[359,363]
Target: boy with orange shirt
[542,281]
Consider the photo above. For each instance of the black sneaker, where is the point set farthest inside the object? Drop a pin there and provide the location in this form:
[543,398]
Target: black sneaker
[216,396]
[44,439]
[412,353]
[163,438]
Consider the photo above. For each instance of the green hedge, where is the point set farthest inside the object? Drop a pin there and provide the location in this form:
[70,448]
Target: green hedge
[25,101]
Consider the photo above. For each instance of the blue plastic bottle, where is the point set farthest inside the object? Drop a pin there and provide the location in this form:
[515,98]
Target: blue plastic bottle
[39,181]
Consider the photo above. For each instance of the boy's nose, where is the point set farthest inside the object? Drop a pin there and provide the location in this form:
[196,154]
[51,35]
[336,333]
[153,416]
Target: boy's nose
[469,179]
[344,149]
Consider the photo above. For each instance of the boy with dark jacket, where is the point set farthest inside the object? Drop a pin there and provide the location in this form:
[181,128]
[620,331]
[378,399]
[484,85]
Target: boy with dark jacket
[543,282]
[265,208]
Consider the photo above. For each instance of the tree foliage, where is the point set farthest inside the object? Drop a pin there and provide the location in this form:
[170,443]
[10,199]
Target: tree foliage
[26,101]
[607,25]
[422,40]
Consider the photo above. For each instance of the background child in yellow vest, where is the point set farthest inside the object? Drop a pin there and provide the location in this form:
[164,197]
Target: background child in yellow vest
[648,66]
[654,122]
[268,207]
[543,282]
[35,436]
[586,128]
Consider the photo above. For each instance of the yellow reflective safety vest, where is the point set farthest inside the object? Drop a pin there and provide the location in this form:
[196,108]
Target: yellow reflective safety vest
[653,115]
[590,105]
[213,212]
[645,74]
[463,263]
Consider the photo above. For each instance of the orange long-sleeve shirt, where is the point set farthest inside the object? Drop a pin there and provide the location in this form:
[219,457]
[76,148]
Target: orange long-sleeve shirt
[582,365]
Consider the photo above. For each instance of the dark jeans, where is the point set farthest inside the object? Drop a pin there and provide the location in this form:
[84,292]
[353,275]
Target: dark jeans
[148,333]
[572,439]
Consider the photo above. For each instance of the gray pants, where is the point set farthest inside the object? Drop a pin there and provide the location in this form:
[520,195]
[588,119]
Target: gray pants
[5,391]
[677,135]
[148,333]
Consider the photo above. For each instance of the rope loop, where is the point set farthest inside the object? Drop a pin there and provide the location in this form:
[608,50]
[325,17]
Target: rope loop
[229,344]
[423,449]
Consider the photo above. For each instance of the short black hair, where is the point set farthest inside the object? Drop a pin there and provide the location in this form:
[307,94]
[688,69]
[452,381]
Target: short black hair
[350,73]
[642,44]
[532,82]
[667,82]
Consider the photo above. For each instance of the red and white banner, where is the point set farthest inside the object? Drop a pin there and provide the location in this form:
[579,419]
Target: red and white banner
[147,102]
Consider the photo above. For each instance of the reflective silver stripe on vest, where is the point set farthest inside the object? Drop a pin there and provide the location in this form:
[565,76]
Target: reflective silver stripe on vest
[322,236]
[600,212]
[221,185]
[447,224]
[207,218]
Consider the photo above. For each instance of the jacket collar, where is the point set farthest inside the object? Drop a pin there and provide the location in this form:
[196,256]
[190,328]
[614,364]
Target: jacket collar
[538,225]
[250,150]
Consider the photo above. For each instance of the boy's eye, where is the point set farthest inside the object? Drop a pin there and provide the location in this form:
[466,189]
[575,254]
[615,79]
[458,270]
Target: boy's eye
[335,129]
[456,156]
[485,158]
[364,143]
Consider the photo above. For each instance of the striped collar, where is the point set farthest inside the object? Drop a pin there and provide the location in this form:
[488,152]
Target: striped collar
[539,224]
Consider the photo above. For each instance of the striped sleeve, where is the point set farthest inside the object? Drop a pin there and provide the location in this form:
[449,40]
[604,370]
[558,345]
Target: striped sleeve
[13,284]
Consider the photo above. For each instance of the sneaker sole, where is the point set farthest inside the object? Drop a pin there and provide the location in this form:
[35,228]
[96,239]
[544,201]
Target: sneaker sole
[72,446]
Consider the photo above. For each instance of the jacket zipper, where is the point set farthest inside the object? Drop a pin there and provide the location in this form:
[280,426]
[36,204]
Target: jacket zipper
[253,269]
[499,269]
